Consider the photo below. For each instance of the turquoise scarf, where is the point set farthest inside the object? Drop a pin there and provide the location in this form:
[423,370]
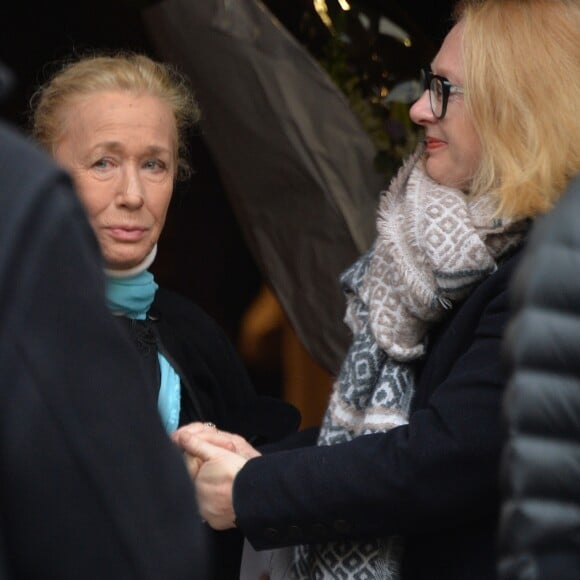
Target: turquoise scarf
[132,296]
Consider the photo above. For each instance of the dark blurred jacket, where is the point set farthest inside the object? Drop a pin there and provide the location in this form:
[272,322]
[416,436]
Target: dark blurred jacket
[540,520]
[90,485]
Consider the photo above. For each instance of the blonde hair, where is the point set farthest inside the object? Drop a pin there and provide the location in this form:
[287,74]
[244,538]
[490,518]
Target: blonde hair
[120,71]
[522,81]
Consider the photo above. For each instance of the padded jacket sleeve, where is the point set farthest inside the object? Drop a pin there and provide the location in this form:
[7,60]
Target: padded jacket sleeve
[540,471]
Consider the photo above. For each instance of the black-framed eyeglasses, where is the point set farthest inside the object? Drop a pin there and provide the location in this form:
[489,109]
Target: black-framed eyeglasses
[439,90]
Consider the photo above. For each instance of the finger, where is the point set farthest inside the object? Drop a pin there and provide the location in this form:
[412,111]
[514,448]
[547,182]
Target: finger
[218,438]
[208,432]
[243,448]
[193,465]
[197,446]
[192,428]
[223,439]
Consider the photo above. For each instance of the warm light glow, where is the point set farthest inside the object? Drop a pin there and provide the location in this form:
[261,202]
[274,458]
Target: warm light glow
[344,5]
[322,10]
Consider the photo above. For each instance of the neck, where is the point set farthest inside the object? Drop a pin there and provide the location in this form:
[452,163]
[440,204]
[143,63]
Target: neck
[141,267]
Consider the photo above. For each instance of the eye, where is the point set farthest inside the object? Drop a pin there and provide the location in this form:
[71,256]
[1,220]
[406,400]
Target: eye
[103,163]
[155,165]
[437,88]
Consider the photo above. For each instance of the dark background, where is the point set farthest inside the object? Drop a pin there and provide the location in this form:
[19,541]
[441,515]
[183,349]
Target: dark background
[201,253]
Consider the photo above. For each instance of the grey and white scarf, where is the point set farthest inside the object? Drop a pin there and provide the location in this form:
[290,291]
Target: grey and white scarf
[434,245]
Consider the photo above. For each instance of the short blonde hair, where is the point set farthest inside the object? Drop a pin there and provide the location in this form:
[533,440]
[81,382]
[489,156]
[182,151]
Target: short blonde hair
[522,82]
[120,71]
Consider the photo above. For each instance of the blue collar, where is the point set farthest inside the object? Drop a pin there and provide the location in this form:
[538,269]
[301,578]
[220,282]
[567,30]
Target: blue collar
[132,296]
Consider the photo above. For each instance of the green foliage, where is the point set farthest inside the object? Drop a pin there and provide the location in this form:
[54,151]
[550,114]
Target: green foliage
[374,117]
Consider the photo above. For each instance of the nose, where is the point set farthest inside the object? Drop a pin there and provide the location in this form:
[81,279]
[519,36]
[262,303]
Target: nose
[130,191]
[421,112]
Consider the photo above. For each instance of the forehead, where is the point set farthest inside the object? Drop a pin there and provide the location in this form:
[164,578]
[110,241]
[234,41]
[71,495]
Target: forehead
[449,60]
[120,115]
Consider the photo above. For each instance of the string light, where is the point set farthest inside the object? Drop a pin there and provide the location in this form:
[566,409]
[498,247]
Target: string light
[322,10]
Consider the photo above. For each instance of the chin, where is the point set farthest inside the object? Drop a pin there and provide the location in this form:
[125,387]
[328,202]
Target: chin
[445,177]
[122,264]
[434,171]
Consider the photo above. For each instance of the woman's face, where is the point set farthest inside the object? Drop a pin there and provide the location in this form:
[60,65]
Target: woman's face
[120,150]
[453,148]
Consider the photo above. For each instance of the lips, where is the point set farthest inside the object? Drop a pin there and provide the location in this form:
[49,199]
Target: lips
[126,233]
[432,144]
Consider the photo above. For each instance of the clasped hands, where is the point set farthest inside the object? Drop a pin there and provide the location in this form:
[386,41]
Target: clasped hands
[213,459]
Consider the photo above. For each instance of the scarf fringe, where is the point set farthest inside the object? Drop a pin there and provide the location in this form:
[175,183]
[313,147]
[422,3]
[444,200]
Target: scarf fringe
[434,244]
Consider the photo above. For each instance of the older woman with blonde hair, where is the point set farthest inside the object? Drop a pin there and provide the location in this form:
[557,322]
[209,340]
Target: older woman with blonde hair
[403,481]
[118,124]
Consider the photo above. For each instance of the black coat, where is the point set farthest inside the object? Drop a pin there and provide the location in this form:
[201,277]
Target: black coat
[540,521]
[90,485]
[215,387]
[215,384]
[433,481]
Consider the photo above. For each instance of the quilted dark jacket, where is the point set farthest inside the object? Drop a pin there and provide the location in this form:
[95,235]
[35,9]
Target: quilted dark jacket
[540,518]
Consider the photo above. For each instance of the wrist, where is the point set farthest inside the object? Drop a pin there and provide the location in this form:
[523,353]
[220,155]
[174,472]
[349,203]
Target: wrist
[236,521]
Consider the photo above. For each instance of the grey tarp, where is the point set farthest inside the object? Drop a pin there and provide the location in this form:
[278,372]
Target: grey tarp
[295,163]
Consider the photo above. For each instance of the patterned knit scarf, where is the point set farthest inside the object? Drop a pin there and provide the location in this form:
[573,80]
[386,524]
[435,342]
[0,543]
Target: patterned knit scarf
[434,245]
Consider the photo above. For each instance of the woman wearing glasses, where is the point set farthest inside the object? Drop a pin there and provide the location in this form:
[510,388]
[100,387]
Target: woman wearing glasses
[403,480]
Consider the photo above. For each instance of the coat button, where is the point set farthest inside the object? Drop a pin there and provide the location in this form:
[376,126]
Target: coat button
[153,315]
[342,526]
[294,532]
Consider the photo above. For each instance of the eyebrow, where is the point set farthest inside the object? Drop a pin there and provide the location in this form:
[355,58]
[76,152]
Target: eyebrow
[442,73]
[116,146]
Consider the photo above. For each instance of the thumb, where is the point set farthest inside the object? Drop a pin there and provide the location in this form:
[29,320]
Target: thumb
[193,465]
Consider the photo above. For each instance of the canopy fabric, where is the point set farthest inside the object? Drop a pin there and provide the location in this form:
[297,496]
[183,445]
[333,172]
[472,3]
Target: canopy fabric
[295,162]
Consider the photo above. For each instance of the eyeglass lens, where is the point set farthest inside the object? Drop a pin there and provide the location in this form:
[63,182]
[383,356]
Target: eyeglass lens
[434,85]
[436,96]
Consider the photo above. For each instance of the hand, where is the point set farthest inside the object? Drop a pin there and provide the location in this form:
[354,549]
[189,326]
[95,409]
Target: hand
[216,469]
[209,433]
